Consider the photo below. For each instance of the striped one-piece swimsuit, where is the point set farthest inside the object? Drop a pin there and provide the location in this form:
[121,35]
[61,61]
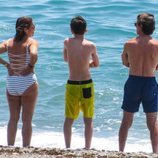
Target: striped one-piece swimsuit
[16,84]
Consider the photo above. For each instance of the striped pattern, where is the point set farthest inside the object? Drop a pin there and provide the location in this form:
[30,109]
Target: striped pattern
[19,62]
[17,84]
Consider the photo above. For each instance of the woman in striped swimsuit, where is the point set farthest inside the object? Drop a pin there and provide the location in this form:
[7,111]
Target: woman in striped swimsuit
[22,86]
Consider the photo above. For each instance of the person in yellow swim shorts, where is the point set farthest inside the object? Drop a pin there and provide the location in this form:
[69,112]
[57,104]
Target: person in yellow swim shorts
[80,54]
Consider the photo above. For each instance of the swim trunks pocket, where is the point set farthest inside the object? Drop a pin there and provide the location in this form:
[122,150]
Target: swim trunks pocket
[87,92]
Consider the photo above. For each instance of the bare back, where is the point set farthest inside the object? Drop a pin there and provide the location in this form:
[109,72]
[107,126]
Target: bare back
[141,54]
[78,53]
[19,55]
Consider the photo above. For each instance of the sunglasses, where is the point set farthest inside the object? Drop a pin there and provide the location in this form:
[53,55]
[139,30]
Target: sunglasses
[136,24]
[32,26]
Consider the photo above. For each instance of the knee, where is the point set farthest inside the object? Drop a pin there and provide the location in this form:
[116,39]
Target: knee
[14,119]
[88,122]
[153,128]
[126,124]
[27,121]
[68,122]
[27,118]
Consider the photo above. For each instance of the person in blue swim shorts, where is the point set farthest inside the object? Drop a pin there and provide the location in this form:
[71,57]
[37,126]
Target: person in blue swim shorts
[140,55]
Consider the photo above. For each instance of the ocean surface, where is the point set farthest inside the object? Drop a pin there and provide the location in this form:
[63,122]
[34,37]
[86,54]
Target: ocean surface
[110,24]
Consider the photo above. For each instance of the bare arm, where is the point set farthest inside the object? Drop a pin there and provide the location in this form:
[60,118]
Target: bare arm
[156,55]
[33,53]
[33,58]
[65,51]
[3,62]
[125,56]
[95,59]
[3,48]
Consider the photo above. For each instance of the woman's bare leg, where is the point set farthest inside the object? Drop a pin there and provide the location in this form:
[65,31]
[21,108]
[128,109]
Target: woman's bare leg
[14,108]
[28,104]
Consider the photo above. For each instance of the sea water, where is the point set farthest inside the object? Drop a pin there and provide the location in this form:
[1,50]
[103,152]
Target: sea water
[110,25]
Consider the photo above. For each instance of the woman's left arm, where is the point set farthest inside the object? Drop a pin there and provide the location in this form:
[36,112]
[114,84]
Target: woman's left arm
[33,53]
[33,48]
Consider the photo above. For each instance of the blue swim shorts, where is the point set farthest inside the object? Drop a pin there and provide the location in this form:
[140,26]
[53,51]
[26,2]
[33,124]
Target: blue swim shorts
[138,90]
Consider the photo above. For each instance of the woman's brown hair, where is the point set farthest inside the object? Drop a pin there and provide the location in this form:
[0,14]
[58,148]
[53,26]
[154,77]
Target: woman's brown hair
[21,24]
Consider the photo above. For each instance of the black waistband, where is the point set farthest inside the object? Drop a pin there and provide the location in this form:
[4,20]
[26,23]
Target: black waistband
[80,82]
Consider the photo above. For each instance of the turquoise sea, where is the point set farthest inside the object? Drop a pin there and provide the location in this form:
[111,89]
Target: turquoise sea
[110,24]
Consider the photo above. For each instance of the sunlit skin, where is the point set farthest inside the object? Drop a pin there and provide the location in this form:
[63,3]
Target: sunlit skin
[140,55]
[81,55]
[25,102]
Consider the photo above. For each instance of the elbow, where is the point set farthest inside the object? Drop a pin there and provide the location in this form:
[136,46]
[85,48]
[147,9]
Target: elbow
[65,59]
[36,58]
[96,64]
[126,64]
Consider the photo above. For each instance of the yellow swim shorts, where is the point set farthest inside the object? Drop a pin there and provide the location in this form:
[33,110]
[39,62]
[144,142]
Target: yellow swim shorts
[79,96]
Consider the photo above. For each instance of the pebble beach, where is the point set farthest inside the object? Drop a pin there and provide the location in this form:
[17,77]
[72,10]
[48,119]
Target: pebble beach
[110,25]
[33,152]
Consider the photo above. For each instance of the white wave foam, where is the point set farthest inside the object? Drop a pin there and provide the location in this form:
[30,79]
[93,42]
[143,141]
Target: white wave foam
[56,140]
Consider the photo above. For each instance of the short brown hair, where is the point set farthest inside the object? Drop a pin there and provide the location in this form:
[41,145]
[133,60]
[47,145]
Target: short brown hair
[78,25]
[147,21]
